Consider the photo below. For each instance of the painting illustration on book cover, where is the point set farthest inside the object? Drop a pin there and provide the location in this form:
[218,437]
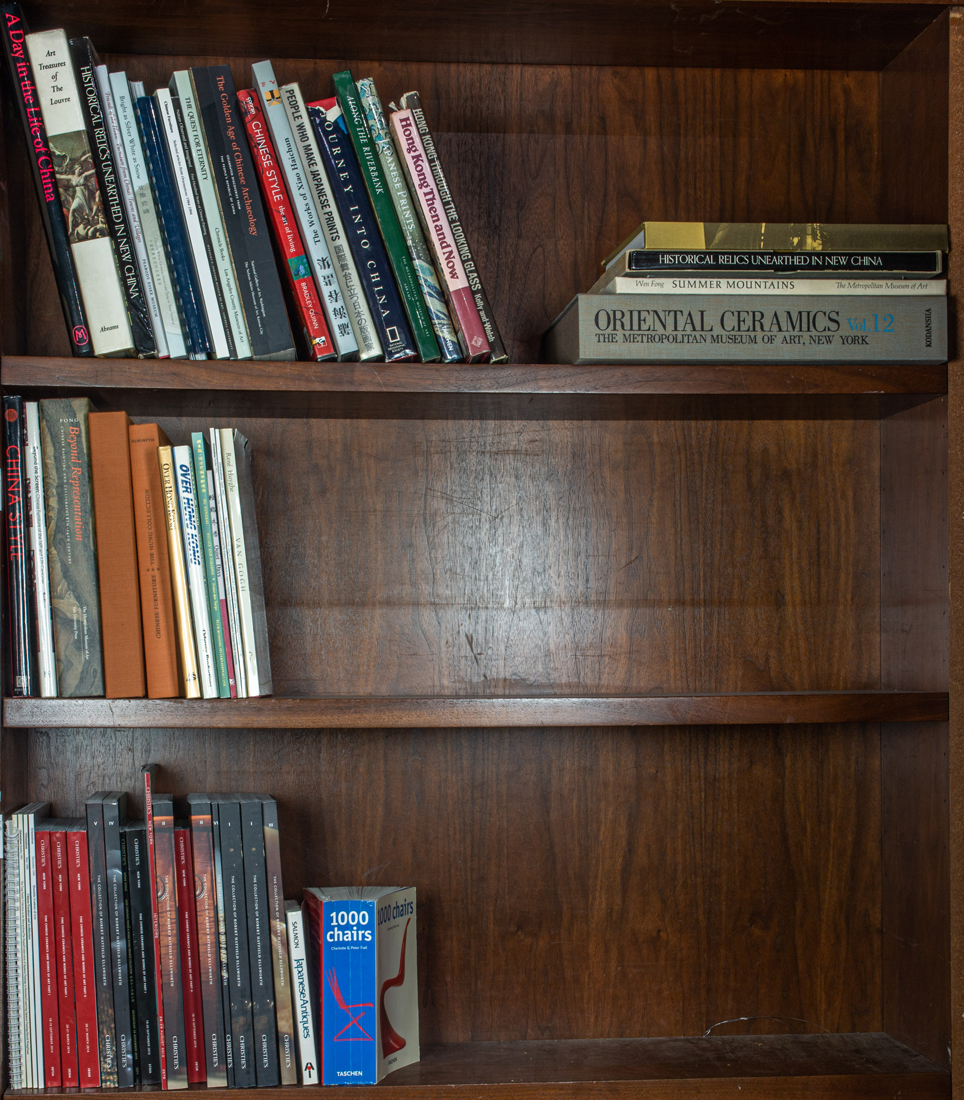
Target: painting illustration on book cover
[391,1040]
[77,182]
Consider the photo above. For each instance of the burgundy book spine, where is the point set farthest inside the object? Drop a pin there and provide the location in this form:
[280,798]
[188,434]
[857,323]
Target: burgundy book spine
[190,963]
[65,962]
[155,921]
[82,949]
[47,942]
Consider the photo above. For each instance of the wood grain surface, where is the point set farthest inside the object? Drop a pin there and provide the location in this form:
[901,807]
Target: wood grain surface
[572,883]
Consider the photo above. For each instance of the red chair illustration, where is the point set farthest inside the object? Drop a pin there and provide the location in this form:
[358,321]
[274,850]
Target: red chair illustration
[391,1040]
[352,1019]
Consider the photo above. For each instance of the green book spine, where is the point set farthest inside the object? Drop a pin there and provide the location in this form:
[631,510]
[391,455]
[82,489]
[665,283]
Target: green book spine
[71,546]
[384,209]
[201,467]
[421,258]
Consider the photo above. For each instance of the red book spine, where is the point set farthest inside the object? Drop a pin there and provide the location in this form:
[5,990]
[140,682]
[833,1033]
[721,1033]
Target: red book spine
[65,962]
[190,963]
[49,1007]
[155,921]
[82,944]
[283,226]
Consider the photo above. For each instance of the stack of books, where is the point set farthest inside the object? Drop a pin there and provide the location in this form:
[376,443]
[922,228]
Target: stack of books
[702,292]
[133,567]
[209,978]
[161,244]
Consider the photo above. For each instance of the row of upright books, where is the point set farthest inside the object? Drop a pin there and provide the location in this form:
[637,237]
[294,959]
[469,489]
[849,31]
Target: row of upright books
[163,952]
[161,244]
[133,566]
[701,292]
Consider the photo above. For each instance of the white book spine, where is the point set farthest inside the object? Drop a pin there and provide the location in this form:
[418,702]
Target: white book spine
[46,661]
[147,212]
[38,1019]
[194,565]
[212,211]
[722,284]
[130,205]
[240,561]
[192,223]
[304,1021]
[227,563]
[316,246]
[95,258]
[369,346]
[11,899]
[23,954]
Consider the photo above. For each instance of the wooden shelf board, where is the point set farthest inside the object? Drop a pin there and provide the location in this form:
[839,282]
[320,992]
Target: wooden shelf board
[765,708]
[815,1067]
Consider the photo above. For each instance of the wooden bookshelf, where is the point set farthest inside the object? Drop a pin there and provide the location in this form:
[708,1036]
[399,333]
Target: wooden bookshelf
[648,678]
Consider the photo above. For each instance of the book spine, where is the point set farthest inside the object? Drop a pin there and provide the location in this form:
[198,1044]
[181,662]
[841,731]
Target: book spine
[47,942]
[239,971]
[82,950]
[12,940]
[45,180]
[64,958]
[287,1044]
[190,966]
[222,589]
[750,261]
[142,954]
[31,847]
[22,644]
[157,602]
[72,546]
[304,1017]
[126,188]
[103,985]
[47,665]
[170,968]
[361,227]
[408,220]
[225,977]
[133,155]
[120,605]
[213,584]
[386,217]
[438,229]
[252,548]
[413,102]
[263,1011]
[115,809]
[221,260]
[95,258]
[29,1031]
[287,238]
[148,775]
[190,680]
[129,941]
[171,223]
[85,61]
[227,560]
[194,569]
[369,346]
[350,979]
[180,174]
[240,562]
[209,964]
[244,218]
[598,328]
[783,286]
[315,242]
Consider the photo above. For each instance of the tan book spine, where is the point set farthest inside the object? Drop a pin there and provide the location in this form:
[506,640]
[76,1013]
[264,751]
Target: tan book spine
[190,688]
[153,562]
[120,601]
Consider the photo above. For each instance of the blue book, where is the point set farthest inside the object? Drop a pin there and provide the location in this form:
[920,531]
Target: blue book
[172,227]
[362,232]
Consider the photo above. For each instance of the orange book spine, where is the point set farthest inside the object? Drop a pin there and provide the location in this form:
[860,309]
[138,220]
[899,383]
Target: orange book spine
[157,603]
[120,601]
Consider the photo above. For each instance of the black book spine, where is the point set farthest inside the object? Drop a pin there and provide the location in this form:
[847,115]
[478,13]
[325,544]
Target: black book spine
[100,924]
[141,948]
[128,932]
[749,261]
[222,940]
[244,218]
[239,969]
[22,643]
[115,810]
[85,60]
[364,240]
[259,945]
[44,178]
